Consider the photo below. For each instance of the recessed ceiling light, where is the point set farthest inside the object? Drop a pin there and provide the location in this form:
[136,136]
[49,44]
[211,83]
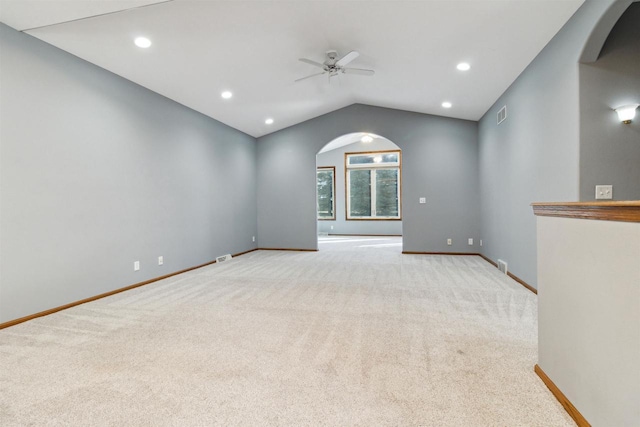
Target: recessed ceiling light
[463,66]
[226,94]
[446,104]
[269,121]
[366,139]
[142,42]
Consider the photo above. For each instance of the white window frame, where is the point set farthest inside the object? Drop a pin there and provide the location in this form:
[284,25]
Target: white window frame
[373,167]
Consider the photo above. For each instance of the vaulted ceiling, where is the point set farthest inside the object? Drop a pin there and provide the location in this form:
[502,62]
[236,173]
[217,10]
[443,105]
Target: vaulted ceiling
[201,48]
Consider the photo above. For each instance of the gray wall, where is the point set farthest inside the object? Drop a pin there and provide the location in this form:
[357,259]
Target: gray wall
[533,156]
[439,161]
[609,150]
[340,224]
[97,172]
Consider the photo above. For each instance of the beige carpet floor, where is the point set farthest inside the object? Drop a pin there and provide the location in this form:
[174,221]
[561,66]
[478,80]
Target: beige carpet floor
[356,334]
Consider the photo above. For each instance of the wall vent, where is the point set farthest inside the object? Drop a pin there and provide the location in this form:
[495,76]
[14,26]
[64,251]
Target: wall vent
[222,258]
[502,266]
[502,114]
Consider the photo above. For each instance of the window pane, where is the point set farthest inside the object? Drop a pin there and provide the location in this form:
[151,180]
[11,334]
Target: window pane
[387,192]
[359,160]
[359,193]
[325,193]
[373,158]
[390,158]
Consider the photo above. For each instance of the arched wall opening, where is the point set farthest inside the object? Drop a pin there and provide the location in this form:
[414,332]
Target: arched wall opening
[609,79]
[598,35]
[439,163]
[359,191]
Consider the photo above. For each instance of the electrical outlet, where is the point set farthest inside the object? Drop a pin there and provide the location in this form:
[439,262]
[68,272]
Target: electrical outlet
[332,227]
[423,200]
[136,265]
[160,260]
[604,191]
[449,242]
[470,242]
[253,238]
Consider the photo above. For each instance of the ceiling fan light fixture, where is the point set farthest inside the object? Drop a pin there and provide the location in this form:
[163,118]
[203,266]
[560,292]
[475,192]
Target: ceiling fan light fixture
[226,94]
[142,42]
[269,121]
[463,66]
[447,104]
[366,139]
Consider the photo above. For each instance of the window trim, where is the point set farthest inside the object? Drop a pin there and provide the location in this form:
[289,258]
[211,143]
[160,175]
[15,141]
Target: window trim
[382,166]
[333,198]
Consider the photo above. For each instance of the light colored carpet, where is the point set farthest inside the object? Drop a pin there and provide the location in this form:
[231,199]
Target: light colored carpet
[355,334]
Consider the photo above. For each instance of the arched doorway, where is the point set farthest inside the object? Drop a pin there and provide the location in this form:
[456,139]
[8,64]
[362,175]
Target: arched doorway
[359,188]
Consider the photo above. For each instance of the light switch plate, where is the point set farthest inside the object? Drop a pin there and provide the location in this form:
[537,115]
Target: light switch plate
[423,200]
[604,192]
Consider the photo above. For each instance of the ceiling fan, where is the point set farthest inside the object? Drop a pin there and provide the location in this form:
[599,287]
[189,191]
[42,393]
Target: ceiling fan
[332,65]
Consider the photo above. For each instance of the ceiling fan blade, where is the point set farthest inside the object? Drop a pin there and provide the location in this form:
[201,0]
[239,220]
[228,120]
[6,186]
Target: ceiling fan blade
[308,61]
[312,75]
[347,58]
[360,71]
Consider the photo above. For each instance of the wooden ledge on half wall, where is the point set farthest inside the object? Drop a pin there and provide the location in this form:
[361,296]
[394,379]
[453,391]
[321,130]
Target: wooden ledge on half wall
[625,210]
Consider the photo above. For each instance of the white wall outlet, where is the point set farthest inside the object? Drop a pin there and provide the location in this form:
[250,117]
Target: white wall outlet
[423,200]
[253,238]
[470,242]
[160,260]
[480,242]
[604,191]
[332,227]
[136,265]
[449,242]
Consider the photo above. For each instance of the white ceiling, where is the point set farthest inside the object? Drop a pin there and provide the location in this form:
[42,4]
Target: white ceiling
[202,47]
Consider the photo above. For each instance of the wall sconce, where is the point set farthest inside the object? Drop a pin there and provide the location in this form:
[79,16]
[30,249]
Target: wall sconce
[626,113]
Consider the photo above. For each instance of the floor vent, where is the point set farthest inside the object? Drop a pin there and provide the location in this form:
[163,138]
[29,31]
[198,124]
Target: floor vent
[502,114]
[502,266]
[226,257]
